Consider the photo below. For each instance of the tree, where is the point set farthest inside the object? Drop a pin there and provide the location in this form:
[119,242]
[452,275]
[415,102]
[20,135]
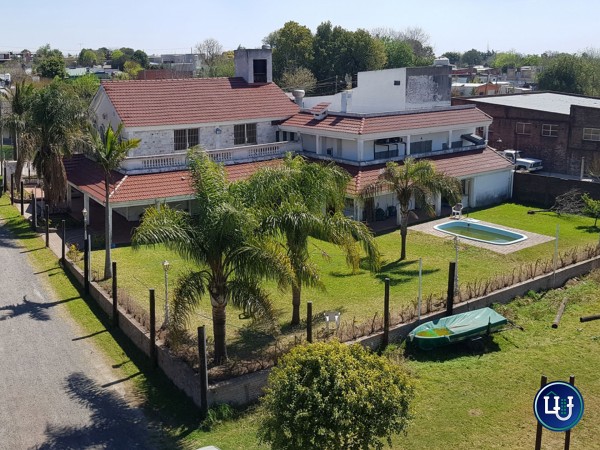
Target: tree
[330,45]
[56,119]
[223,239]
[51,67]
[86,87]
[414,180]
[300,78]
[591,208]
[332,396]
[132,68]
[109,150]
[292,48]
[20,101]
[453,57]
[565,73]
[87,57]
[472,57]
[291,201]
[399,54]
[141,58]
[366,53]
[117,59]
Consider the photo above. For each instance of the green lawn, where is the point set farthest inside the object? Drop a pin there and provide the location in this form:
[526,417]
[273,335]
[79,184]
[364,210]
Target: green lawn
[484,401]
[463,400]
[359,296]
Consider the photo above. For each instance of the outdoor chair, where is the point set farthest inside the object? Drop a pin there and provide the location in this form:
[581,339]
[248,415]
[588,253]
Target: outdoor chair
[333,316]
[457,211]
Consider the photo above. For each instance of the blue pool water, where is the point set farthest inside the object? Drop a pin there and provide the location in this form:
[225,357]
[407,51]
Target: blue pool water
[482,233]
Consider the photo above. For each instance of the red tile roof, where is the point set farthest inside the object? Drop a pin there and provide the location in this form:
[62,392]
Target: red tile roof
[456,165]
[89,177]
[142,103]
[320,108]
[370,124]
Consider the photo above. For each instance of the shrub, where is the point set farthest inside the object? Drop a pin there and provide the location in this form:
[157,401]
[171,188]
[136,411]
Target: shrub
[334,396]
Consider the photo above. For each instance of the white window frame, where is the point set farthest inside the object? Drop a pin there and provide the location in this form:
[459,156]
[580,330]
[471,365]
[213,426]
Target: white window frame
[591,134]
[549,130]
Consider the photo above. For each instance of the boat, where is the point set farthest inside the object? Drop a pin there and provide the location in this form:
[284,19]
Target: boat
[456,328]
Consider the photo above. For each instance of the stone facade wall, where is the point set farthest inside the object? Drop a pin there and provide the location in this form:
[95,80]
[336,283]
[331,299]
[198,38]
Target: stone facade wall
[161,142]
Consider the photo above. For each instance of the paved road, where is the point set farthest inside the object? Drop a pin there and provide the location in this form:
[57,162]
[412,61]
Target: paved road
[56,390]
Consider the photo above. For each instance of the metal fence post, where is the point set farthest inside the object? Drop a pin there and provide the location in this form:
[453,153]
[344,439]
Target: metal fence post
[22,198]
[115,291]
[203,371]
[86,267]
[47,225]
[451,280]
[386,314]
[152,328]
[64,241]
[309,322]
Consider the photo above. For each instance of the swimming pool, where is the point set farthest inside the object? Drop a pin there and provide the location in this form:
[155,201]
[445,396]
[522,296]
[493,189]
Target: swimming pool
[481,233]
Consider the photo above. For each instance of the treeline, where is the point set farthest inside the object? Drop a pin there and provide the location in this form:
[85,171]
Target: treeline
[324,62]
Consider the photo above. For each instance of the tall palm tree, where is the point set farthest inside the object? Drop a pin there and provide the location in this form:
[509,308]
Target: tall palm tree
[56,120]
[415,179]
[223,239]
[300,200]
[109,150]
[20,100]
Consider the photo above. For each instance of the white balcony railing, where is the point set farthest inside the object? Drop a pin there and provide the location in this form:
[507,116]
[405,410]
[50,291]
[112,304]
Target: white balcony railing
[178,160]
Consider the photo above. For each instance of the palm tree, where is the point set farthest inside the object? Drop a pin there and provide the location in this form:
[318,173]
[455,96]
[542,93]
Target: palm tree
[56,121]
[300,200]
[223,239]
[109,150]
[415,179]
[19,100]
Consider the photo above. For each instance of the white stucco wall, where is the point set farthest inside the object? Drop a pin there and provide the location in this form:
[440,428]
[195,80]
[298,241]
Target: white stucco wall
[309,143]
[491,188]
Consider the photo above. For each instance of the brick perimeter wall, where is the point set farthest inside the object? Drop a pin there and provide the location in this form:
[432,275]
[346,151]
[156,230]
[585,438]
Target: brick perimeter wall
[540,190]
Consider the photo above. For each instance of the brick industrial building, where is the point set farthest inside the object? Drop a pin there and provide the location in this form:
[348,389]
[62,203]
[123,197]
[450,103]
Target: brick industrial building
[562,130]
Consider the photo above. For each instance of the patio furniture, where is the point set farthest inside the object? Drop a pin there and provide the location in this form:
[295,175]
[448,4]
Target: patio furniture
[457,211]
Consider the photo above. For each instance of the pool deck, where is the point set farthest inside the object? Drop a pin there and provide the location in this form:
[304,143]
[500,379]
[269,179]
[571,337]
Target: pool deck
[532,238]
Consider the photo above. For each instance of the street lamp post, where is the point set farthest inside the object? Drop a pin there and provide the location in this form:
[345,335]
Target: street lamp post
[166,265]
[85,221]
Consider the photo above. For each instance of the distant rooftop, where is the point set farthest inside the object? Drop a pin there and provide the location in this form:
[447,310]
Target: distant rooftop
[541,101]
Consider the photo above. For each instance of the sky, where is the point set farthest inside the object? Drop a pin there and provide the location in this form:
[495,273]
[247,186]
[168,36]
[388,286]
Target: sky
[176,26]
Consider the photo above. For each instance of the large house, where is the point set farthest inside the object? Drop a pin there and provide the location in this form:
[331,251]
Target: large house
[563,130]
[247,121]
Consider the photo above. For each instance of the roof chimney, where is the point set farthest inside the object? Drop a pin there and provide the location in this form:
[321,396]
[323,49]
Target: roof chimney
[298,96]
[346,101]
[254,65]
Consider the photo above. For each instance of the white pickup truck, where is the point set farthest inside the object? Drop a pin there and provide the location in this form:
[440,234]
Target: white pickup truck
[529,164]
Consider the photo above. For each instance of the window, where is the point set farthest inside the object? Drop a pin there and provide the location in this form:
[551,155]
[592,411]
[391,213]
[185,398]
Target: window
[184,139]
[420,147]
[244,134]
[591,134]
[523,128]
[549,130]
[260,70]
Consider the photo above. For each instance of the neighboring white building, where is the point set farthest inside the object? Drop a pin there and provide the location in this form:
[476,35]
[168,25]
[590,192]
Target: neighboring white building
[360,130]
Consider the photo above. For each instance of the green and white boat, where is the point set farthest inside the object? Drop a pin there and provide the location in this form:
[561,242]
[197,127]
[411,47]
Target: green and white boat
[456,328]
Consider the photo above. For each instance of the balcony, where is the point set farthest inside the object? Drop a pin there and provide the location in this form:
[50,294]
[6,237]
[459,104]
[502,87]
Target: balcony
[393,155]
[178,160]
